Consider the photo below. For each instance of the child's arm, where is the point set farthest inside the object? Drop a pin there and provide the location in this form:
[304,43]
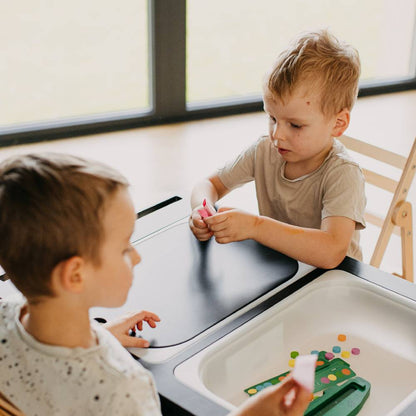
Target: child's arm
[324,248]
[120,328]
[210,189]
[275,401]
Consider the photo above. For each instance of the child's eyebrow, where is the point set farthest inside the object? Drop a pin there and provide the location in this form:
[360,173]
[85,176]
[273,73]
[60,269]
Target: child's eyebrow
[296,120]
[299,119]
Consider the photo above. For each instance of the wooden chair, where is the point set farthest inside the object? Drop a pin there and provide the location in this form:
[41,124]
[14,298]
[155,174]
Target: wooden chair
[7,408]
[399,215]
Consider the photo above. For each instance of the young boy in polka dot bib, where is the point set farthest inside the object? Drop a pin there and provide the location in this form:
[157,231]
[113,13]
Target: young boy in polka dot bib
[66,225]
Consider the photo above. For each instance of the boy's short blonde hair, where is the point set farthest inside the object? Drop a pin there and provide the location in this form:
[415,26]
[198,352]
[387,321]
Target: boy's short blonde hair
[51,208]
[329,65]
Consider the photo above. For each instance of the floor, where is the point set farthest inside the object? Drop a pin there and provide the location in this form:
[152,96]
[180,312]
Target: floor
[163,161]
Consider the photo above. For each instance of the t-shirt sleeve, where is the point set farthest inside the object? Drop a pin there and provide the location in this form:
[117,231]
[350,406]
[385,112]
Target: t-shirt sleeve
[239,171]
[344,194]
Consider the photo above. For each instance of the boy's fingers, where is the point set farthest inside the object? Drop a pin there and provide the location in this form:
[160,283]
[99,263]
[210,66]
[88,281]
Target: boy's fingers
[201,232]
[220,227]
[143,315]
[302,396]
[151,323]
[135,342]
[216,219]
[203,236]
[198,223]
[301,401]
[286,385]
[154,316]
[222,209]
[200,229]
[223,240]
[134,318]
[224,233]
[151,320]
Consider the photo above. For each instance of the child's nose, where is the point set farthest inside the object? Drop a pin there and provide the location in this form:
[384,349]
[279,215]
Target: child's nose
[276,132]
[136,259]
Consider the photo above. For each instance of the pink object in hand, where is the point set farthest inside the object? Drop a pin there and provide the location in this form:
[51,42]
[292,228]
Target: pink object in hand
[203,213]
[210,209]
[207,211]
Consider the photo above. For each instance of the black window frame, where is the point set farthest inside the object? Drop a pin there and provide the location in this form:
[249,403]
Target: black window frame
[167,49]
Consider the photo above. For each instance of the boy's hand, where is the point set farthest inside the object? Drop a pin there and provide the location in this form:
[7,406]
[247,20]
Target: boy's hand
[230,225]
[120,328]
[198,225]
[285,399]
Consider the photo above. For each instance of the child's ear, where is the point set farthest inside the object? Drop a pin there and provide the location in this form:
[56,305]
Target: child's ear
[68,275]
[342,121]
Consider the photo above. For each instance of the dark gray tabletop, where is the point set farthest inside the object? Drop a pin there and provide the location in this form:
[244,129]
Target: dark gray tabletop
[193,285]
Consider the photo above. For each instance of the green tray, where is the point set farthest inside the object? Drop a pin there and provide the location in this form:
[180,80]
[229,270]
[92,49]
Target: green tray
[337,367]
[345,400]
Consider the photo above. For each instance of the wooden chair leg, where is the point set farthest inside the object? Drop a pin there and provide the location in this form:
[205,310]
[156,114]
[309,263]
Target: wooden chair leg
[403,218]
[7,408]
[381,244]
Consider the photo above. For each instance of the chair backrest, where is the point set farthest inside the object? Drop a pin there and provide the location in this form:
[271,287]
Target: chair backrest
[7,408]
[400,210]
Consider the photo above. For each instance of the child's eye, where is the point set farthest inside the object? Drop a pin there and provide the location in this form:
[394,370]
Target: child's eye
[295,126]
[272,119]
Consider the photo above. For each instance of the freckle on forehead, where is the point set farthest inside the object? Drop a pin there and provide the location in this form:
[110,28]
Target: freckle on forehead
[308,103]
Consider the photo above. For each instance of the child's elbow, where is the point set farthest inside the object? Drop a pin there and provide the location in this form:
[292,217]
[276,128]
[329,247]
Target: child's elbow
[331,259]
[330,263]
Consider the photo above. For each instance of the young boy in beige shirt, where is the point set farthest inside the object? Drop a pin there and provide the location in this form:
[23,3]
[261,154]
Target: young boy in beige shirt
[310,193]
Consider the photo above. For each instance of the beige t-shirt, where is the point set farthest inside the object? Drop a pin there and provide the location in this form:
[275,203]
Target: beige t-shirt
[336,188]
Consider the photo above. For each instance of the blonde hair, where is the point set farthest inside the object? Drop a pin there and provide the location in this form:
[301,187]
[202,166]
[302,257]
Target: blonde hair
[328,64]
[51,208]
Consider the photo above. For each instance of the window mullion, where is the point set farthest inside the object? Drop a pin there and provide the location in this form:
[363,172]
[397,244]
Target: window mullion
[168,48]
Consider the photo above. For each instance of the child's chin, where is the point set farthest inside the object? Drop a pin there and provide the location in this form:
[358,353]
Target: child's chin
[115,304]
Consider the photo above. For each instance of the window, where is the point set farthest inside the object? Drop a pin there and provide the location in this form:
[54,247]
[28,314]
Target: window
[85,67]
[65,61]
[231,45]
